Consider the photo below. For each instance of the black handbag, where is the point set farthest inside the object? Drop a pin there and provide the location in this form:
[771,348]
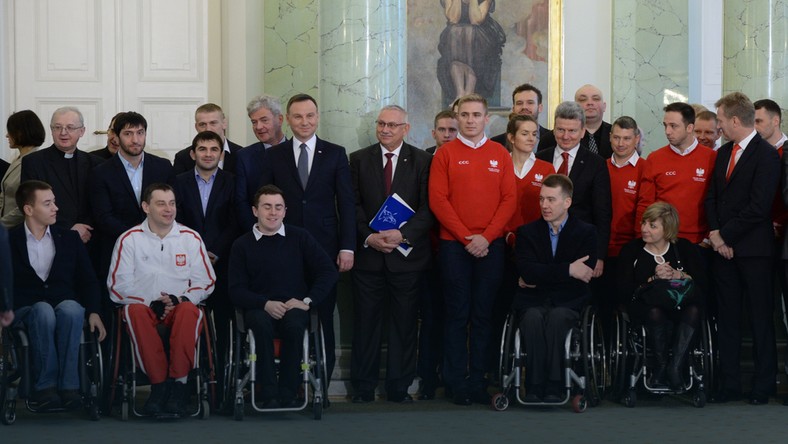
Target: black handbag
[668,294]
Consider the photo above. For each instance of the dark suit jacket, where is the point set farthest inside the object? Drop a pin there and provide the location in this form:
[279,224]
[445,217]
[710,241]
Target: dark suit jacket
[602,137]
[73,204]
[326,208]
[103,153]
[183,160]
[537,266]
[248,170]
[115,208]
[6,273]
[3,167]
[217,227]
[410,182]
[546,139]
[71,276]
[741,207]
[591,200]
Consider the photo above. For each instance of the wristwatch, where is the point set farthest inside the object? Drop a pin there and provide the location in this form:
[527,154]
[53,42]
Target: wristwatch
[307,301]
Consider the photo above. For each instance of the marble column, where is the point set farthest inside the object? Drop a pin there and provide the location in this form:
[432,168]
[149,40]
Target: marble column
[291,38]
[650,63]
[755,49]
[362,66]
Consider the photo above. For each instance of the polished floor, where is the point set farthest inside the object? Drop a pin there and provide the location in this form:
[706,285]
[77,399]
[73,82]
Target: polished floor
[438,421]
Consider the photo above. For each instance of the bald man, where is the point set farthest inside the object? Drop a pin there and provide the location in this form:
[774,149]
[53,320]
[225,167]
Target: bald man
[597,136]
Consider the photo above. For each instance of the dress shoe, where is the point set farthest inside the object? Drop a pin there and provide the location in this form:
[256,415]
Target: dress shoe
[553,392]
[534,394]
[400,398]
[290,403]
[426,396]
[179,397]
[45,399]
[532,398]
[270,403]
[756,399]
[723,396]
[462,398]
[363,397]
[785,400]
[481,397]
[71,399]
[158,396]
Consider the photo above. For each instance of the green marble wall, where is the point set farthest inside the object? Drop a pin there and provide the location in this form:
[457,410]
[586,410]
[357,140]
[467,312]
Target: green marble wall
[650,63]
[755,51]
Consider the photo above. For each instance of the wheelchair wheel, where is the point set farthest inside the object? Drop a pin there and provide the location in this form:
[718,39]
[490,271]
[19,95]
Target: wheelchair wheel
[709,360]
[617,356]
[9,413]
[594,357]
[317,409]
[205,409]
[320,363]
[579,404]
[506,355]
[630,398]
[699,400]
[500,402]
[94,371]
[124,411]
[238,409]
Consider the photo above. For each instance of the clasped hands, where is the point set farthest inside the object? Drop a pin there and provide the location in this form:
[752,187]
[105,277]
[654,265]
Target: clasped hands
[164,305]
[385,241]
[277,309]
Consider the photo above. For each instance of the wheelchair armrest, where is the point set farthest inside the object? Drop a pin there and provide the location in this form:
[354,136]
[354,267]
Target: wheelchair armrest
[239,320]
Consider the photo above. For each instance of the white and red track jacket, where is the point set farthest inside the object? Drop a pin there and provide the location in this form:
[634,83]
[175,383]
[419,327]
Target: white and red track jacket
[144,265]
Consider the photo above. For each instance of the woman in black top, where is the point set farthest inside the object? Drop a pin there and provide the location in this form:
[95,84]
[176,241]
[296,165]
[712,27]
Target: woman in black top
[660,254]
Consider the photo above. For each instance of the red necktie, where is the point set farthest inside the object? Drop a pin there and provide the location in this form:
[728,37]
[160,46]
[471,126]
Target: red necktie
[732,162]
[564,167]
[387,169]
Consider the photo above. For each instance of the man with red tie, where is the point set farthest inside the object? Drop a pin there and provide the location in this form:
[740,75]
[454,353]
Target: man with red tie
[738,206]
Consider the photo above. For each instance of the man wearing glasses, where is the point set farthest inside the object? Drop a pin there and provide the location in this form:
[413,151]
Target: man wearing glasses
[67,169]
[383,274]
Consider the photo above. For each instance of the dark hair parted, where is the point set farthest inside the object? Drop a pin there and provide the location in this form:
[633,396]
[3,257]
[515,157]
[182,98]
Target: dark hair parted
[129,119]
[560,181]
[267,190]
[204,136]
[685,109]
[148,193]
[25,129]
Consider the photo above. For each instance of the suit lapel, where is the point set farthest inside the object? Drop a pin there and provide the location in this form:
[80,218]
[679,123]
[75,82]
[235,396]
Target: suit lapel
[579,163]
[290,160]
[748,153]
[194,196]
[374,165]
[20,243]
[218,184]
[318,161]
[120,171]
[62,176]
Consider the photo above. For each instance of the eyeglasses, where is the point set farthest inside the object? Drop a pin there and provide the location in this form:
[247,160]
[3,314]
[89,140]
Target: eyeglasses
[57,129]
[389,125]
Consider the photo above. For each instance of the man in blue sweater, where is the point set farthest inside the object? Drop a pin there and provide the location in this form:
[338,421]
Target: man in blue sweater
[276,273]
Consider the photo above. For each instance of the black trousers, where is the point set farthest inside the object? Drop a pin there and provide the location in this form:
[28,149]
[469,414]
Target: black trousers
[325,312]
[734,279]
[373,292]
[290,329]
[544,330]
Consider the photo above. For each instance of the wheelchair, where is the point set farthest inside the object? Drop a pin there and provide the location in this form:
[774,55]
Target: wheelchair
[630,357]
[16,378]
[313,369]
[586,376]
[126,375]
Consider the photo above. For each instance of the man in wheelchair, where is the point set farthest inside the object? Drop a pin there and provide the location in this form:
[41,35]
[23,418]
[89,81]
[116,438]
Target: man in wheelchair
[555,260]
[277,273]
[160,272]
[54,286]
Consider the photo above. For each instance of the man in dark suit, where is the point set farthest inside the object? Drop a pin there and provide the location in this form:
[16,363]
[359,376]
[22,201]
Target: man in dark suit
[205,200]
[54,287]
[265,114]
[209,117]
[444,129]
[383,275]
[527,101]
[67,169]
[555,261]
[315,177]
[117,185]
[738,205]
[591,200]
[597,135]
